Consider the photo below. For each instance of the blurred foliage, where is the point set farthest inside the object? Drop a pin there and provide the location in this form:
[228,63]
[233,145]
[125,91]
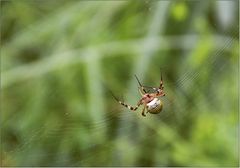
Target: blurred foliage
[59,59]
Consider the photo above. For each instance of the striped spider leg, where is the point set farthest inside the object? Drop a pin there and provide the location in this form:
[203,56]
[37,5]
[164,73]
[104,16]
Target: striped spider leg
[150,101]
[126,105]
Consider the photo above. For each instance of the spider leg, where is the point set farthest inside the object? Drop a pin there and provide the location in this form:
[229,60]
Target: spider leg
[161,87]
[129,106]
[161,83]
[159,90]
[141,89]
[126,105]
[143,110]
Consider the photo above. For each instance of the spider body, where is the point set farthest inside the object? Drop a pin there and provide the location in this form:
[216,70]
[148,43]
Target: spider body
[155,106]
[151,101]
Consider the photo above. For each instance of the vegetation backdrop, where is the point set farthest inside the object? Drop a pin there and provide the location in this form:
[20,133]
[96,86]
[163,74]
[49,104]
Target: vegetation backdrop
[60,58]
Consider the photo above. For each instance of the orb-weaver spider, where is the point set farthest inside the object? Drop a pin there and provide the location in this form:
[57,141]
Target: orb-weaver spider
[150,101]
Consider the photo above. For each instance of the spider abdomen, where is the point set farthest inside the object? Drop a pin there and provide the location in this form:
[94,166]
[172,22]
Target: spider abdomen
[155,106]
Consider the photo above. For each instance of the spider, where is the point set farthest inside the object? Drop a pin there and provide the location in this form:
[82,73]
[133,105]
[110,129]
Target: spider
[150,101]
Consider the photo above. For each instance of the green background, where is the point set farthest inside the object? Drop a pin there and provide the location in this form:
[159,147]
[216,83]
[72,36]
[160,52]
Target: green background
[59,59]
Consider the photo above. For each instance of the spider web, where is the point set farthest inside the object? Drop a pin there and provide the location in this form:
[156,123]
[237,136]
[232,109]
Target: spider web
[167,113]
